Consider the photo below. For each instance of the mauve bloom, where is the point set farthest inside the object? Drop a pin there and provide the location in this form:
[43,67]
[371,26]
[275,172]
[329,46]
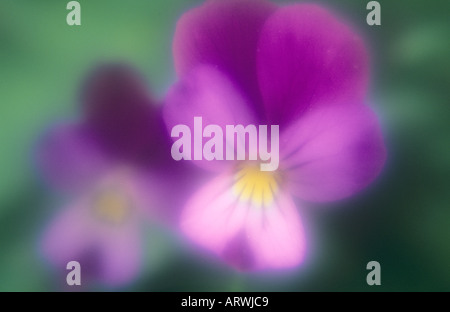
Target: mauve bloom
[105,162]
[299,67]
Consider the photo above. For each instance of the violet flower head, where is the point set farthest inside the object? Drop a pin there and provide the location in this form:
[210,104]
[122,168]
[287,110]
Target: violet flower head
[300,67]
[104,162]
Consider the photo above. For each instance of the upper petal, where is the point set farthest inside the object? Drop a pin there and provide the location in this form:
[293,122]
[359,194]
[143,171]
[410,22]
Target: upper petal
[332,152]
[307,57]
[121,112]
[223,34]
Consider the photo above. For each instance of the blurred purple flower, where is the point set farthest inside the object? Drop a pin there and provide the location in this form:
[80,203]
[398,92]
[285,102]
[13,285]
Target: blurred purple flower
[299,67]
[107,161]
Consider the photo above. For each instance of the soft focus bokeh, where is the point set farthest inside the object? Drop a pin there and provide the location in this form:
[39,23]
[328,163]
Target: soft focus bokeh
[401,221]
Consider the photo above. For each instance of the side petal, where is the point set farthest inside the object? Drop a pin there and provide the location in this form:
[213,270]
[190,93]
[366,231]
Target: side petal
[332,152]
[205,92]
[70,157]
[276,235]
[223,34]
[308,56]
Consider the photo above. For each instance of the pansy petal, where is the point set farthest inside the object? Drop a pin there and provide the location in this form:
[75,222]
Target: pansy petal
[205,92]
[107,251]
[223,34]
[120,253]
[213,216]
[307,56]
[69,236]
[121,112]
[276,235]
[245,235]
[332,152]
[162,191]
[70,157]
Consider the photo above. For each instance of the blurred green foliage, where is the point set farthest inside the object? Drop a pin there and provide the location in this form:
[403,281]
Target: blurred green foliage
[403,221]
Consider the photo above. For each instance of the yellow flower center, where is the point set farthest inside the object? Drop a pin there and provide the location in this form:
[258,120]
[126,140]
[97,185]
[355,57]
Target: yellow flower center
[260,187]
[112,206]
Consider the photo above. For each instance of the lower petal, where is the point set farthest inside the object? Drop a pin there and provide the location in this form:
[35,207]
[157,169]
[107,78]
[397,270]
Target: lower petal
[120,254]
[244,232]
[213,216]
[68,237]
[276,234]
[106,251]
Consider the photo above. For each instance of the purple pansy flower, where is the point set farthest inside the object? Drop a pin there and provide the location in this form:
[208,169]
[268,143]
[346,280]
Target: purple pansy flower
[244,62]
[106,162]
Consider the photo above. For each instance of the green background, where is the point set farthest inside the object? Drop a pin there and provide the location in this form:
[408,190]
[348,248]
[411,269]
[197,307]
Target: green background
[403,221]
